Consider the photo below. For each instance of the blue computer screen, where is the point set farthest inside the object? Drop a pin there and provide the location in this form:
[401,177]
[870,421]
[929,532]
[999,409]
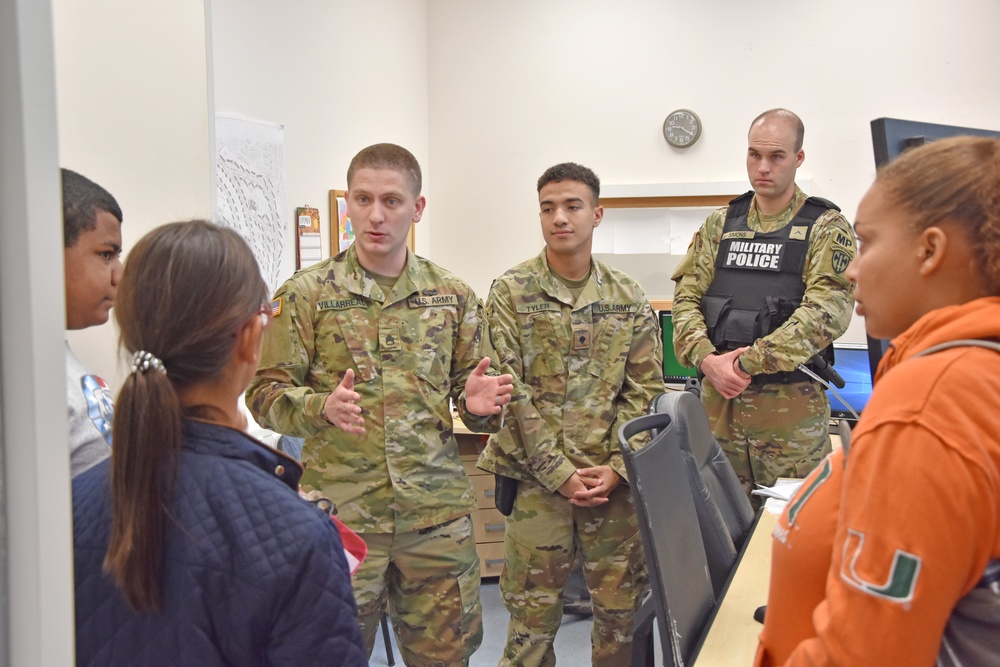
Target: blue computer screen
[851,362]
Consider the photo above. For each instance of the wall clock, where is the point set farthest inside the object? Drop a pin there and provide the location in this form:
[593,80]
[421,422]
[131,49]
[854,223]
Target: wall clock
[682,128]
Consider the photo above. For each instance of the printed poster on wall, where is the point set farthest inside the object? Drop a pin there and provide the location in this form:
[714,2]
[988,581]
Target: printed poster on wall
[250,188]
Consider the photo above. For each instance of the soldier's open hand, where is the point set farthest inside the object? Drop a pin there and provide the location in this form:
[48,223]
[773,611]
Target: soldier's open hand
[487,394]
[341,407]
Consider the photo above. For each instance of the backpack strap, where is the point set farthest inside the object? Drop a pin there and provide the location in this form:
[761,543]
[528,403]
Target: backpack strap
[964,342]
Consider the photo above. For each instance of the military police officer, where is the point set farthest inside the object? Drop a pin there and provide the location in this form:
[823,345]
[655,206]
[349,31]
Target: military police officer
[364,353]
[581,341]
[761,290]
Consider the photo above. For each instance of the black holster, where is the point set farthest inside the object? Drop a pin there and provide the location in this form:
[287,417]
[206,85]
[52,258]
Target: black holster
[506,492]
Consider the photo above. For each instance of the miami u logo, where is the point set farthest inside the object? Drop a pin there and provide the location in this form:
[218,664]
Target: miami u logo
[902,579]
[826,469]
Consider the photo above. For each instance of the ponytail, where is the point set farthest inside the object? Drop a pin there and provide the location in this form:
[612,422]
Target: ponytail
[186,287]
[147,443]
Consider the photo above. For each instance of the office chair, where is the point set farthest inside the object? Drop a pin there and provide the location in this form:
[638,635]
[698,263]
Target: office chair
[681,597]
[724,512]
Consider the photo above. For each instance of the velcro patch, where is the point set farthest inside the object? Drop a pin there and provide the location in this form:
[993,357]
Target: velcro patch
[738,235]
[432,301]
[839,261]
[840,238]
[798,233]
[602,308]
[340,304]
[276,307]
[535,307]
[388,339]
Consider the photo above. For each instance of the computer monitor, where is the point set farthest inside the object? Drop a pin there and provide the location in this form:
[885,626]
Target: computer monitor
[851,363]
[673,371]
[890,138]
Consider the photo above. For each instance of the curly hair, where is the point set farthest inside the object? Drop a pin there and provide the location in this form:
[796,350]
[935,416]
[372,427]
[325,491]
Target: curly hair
[953,180]
[570,171]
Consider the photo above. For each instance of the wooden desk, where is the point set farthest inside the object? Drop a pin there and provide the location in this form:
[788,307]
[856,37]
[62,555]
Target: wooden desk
[732,639]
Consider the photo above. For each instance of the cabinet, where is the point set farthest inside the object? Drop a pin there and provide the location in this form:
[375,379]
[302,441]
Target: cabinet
[487,522]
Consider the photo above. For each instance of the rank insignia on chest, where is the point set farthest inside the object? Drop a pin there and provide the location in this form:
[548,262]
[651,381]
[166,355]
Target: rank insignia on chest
[389,339]
[581,337]
[798,233]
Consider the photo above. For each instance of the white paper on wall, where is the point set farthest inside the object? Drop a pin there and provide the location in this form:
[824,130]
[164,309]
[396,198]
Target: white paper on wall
[250,171]
[645,231]
[684,222]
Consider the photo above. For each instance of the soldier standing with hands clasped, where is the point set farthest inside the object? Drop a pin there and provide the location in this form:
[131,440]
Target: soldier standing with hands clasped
[761,290]
[365,351]
[581,341]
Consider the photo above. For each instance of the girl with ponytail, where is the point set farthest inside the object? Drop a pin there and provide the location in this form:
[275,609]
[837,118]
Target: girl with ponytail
[192,546]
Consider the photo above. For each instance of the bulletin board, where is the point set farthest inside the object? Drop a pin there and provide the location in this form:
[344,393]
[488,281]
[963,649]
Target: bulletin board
[341,229]
[307,238]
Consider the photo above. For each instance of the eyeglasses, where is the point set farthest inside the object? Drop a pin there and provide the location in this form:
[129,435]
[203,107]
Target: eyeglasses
[264,312]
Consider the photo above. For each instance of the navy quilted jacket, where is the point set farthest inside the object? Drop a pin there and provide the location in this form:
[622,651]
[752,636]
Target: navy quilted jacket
[252,575]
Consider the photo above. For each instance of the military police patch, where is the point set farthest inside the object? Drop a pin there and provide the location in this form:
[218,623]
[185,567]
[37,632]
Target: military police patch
[840,238]
[840,260]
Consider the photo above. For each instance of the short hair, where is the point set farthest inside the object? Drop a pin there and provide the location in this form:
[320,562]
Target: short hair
[955,179]
[82,199]
[571,171]
[785,114]
[387,156]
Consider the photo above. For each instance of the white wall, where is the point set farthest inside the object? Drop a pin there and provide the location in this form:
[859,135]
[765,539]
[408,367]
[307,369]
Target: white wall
[520,85]
[339,75]
[36,546]
[132,87]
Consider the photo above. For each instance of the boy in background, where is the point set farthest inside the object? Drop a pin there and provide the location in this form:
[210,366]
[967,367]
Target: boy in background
[92,239]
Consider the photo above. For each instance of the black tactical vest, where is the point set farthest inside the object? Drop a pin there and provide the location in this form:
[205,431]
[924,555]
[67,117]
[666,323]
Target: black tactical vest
[758,279]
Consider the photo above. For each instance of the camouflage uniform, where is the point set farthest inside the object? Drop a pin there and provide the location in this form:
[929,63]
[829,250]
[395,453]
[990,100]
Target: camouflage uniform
[401,484]
[771,430]
[581,369]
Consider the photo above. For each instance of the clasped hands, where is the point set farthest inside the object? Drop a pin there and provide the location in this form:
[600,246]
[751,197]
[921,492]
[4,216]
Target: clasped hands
[724,373]
[484,395]
[590,487]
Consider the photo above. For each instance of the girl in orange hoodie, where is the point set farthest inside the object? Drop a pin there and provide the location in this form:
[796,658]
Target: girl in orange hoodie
[890,553]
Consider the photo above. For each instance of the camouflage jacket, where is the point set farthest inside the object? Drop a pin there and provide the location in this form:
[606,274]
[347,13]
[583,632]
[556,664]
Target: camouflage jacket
[580,370]
[410,350]
[826,306]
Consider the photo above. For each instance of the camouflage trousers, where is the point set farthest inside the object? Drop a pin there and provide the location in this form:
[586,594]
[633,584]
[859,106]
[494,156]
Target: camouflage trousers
[430,580]
[771,431]
[544,533]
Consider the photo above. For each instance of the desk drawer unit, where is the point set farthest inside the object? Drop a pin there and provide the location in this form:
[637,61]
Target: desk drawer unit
[487,522]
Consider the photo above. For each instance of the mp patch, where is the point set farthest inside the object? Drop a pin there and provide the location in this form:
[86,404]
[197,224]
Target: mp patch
[839,261]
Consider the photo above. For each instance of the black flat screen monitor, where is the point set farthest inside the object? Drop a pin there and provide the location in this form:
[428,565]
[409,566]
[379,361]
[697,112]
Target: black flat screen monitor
[850,360]
[673,371]
[892,136]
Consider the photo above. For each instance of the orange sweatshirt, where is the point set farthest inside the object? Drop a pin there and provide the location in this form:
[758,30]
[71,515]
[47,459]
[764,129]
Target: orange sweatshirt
[872,555]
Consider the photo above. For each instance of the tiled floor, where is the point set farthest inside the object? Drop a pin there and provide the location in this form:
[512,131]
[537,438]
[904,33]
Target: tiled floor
[572,642]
